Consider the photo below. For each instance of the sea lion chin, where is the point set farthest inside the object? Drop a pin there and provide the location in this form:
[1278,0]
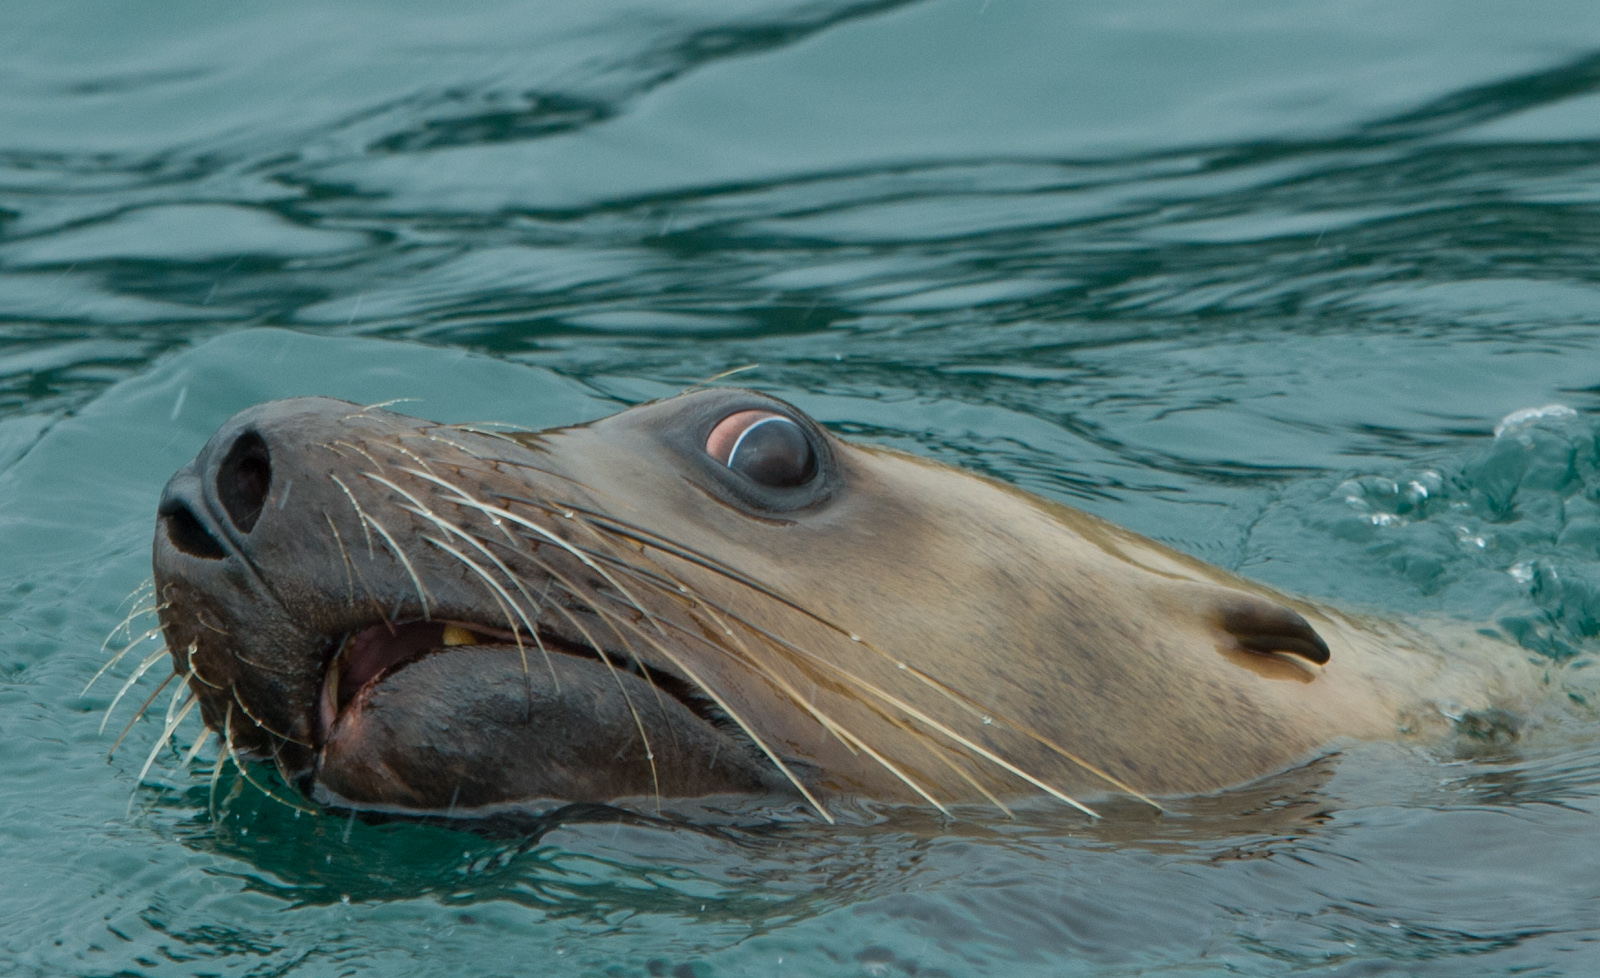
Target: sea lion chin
[713,595]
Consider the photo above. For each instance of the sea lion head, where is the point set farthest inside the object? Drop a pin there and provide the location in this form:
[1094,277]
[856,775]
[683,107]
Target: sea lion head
[705,595]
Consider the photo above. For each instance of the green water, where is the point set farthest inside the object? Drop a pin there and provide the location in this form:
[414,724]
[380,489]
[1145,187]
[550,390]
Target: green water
[1257,279]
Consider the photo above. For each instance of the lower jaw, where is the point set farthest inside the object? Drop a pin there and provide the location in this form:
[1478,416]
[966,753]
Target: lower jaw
[465,727]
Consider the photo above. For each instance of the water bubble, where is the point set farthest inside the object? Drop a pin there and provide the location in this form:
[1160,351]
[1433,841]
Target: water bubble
[1353,495]
[1521,572]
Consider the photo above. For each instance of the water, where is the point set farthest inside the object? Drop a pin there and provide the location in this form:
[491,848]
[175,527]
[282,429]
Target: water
[1259,281]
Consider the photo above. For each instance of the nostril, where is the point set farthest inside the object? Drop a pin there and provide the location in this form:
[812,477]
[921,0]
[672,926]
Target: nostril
[188,534]
[243,480]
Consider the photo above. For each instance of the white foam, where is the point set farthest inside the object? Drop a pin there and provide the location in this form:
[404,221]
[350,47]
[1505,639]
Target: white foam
[1526,416]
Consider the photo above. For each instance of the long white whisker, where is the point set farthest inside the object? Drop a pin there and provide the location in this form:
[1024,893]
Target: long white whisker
[547,535]
[152,633]
[497,592]
[139,713]
[845,736]
[966,703]
[352,497]
[349,580]
[245,771]
[166,732]
[222,757]
[144,667]
[194,749]
[394,546]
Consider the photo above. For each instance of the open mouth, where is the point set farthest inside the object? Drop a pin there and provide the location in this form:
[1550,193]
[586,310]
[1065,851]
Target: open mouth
[363,659]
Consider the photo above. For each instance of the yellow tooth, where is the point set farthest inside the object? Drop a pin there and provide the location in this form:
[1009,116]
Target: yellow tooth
[456,635]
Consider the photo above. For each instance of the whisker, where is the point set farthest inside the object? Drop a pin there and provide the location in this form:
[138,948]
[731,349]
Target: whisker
[599,648]
[463,449]
[148,584]
[125,624]
[135,718]
[222,757]
[983,752]
[362,452]
[166,732]
[971,706]
[843,734]
[383,404]
[681,666]
[497,592]
[530,467]
[394,546]
[898,704]
[260,722]
[716,697]
[551,537]
[349,568]
[184,686]
[194,749]
[698,385]
[245,771]
[132,680]
[483,433]
[749,731]
[352,497]
[152,633]
[473,426]
[966,776]
[413,456]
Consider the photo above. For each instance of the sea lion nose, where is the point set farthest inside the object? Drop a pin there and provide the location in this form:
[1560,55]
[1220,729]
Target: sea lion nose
[179,515]
[241,481]
[244,479]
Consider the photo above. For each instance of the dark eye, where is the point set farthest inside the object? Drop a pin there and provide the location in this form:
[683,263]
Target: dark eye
[765,447]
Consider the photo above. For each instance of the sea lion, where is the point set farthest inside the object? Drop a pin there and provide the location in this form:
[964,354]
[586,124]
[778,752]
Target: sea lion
[712,594]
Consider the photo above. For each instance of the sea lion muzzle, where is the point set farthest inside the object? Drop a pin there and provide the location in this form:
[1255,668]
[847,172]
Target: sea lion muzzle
[385,673]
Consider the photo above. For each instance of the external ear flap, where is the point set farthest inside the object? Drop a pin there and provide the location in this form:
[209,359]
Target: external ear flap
[1263,627]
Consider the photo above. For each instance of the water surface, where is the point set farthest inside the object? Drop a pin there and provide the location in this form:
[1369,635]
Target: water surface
[1260,282]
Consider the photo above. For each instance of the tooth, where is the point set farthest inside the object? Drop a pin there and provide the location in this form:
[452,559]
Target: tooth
[456,635]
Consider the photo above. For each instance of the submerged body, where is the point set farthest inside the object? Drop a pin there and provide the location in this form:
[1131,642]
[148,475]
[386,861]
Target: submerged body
[712,595]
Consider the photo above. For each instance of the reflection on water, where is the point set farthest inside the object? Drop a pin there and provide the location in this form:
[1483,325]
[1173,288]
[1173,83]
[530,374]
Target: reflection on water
[1260,284]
